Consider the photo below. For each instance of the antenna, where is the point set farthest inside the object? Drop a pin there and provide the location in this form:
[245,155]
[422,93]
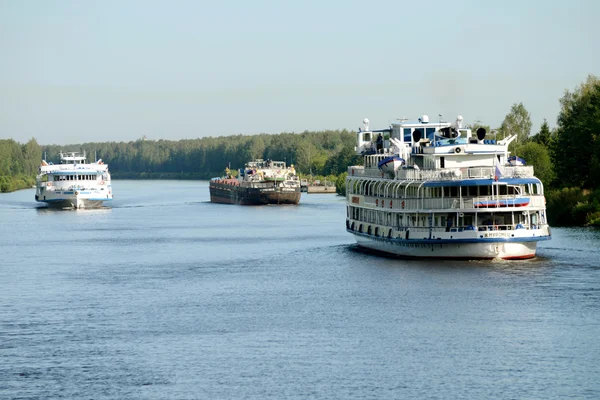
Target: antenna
[439,125]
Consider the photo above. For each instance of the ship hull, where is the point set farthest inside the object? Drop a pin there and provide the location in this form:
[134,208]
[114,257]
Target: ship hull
[450,249]
[226,193]
[73,202]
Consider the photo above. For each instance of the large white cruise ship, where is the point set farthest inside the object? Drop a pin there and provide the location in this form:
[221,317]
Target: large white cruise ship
[73,183]
[434,190]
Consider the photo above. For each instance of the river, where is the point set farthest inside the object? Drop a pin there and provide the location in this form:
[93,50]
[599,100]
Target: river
[164,295]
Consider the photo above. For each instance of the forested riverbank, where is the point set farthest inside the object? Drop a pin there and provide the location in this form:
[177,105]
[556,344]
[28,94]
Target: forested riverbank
[566,158]
[324,155]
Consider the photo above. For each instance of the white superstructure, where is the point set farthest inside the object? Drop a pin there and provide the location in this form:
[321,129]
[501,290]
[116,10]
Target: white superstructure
[73,183]
[432,189]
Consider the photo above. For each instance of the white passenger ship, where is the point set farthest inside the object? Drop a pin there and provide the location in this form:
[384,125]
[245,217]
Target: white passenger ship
[435,190]
[73,183]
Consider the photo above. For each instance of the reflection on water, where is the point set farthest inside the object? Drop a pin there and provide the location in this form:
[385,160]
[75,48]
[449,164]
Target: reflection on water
[163,294]
[82,211]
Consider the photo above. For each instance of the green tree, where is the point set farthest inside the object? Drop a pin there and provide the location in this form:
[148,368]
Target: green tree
[538,156]
[517,122]
[544,136]
[576,150]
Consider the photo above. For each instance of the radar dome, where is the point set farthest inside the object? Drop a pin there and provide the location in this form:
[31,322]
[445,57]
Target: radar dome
[425,119]
[366,124]
[459,120]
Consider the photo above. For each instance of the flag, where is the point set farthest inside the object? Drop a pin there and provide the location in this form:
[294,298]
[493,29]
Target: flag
[497,174]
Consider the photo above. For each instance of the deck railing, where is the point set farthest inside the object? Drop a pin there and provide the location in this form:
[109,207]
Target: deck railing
[446,173]
[481,203]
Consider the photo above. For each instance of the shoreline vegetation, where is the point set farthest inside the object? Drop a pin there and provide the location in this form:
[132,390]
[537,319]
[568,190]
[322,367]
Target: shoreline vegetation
[566,159]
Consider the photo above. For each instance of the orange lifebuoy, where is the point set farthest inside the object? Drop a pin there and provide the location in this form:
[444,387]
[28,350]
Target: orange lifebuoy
[390,204]
[48,184]
[76,193]
[402,203]
[376,202]
[101,182]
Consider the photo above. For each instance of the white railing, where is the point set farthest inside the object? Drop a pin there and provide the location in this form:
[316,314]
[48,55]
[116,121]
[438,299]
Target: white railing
[450,203]
[446,173]
[75,168]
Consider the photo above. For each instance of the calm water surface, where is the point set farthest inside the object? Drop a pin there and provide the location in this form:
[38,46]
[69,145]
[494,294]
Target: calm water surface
[167,296]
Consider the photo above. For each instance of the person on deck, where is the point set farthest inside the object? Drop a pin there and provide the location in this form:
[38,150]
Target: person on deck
[379,144]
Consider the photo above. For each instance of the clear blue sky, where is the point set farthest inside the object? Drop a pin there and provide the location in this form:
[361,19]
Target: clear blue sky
[81,71]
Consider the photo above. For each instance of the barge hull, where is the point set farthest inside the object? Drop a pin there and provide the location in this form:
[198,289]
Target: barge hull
[232,194]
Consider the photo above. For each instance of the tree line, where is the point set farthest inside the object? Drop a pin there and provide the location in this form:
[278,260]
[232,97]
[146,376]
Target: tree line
[18,164]
[323,154]
[566,158]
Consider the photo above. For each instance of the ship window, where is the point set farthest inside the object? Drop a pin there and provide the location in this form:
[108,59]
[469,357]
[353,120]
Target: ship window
[442,162]
[429,133]
[407,132]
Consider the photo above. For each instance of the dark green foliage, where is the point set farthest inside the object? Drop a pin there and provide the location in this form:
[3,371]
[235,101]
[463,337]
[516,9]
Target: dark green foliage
[340,184]
[538,156]
[561,205]
[544,136]
[573,207]
[18,164]
[576,150]
[319,153]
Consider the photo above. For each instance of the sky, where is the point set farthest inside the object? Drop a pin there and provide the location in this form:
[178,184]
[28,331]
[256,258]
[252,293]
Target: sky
[113,70]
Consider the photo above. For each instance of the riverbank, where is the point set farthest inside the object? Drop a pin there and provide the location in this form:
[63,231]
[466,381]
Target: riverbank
[12,183]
